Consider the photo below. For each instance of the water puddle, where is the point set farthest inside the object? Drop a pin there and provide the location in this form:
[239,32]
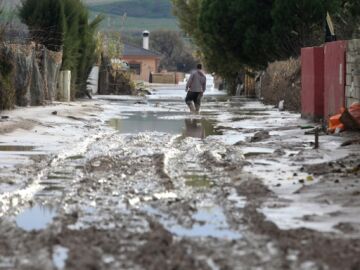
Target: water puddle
[200,128]
[209,221]
[35,218]
[198,181]
[168,122]
[59,257]
[147,122]
[256,151]
[75,157]
[16,148]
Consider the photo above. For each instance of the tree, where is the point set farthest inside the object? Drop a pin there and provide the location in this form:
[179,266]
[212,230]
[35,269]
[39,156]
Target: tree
[187,12]
[347,19]
[304,25]
[176,55]
[234,30]
[64,25]
[45,19]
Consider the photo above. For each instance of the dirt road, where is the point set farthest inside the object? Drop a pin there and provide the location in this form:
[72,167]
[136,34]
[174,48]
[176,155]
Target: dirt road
[141,184]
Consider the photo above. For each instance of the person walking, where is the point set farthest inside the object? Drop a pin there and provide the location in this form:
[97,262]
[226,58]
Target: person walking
[195,88]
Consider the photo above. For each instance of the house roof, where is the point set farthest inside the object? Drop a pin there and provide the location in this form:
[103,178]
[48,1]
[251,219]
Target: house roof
[131,50]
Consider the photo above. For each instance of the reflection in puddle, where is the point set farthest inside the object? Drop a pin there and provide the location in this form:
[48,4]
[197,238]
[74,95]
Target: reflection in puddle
[147,122]
[59,257]
[199,128]
[35,218]
[208,222]
[172,123]
[16,148]
[198,181]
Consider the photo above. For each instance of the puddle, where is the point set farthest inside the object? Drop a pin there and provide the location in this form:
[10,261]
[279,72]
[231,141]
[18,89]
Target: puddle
[208,222]
[59,257]
[147,122]
[16,148]
[256,151]
[58,177]
[168,122]
[75,157]
[35,218]
[200,128]
[198,181]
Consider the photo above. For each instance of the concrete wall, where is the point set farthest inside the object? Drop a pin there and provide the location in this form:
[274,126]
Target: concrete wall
[312,81]
[334,77]
[352,91]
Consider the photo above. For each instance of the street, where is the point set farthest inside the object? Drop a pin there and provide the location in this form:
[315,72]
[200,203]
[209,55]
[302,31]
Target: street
[140,183]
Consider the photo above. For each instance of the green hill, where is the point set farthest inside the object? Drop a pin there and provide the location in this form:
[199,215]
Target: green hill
[136,8]
[140,14]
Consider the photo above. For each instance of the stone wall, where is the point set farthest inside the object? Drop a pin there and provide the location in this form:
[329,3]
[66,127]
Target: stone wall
[352,90]
[35,74]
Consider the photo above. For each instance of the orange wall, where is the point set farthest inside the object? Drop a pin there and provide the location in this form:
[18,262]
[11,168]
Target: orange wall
[148,65]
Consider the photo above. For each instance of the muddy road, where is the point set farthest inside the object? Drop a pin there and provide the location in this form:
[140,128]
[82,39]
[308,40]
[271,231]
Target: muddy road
[152,187]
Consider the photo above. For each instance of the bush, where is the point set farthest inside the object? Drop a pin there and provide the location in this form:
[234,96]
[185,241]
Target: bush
[7,90]
[282,81]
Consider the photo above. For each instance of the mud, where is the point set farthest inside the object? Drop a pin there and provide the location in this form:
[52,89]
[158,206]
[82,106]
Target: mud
[158,188]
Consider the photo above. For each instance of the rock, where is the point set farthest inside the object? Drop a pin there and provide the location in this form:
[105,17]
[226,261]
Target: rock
[5,117]
[54,113]
[279,152]
[260,136]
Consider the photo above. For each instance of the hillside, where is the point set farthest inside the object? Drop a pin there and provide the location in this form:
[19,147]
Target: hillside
[136,8]
[140,14]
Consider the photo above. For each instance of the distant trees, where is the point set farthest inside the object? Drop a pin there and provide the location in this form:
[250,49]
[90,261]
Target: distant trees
[176,55]
[64,25]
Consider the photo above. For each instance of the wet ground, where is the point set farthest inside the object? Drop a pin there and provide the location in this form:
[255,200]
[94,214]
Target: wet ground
[139,183]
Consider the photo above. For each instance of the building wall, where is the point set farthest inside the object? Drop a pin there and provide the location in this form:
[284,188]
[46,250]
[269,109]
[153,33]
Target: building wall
[334,78]
[148,65]
[312,81]
[352,91]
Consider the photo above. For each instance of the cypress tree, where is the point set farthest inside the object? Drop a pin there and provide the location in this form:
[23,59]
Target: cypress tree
[64,25]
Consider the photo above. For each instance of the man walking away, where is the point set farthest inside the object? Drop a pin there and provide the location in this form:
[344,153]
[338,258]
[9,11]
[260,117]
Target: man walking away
[195,89]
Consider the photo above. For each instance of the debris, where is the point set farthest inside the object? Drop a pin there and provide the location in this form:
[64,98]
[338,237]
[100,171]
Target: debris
[5,117]
[335,123]
[75,118]
[309,178]
[307,127]
[134,201]
[316,146]
[350,142]
[260,136]
[165,195]
[348,119]
[281,105]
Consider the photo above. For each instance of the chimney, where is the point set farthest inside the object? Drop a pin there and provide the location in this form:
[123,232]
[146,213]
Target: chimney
[146,35]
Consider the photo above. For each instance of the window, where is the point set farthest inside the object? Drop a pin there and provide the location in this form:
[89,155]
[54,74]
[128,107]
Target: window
[135,68]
